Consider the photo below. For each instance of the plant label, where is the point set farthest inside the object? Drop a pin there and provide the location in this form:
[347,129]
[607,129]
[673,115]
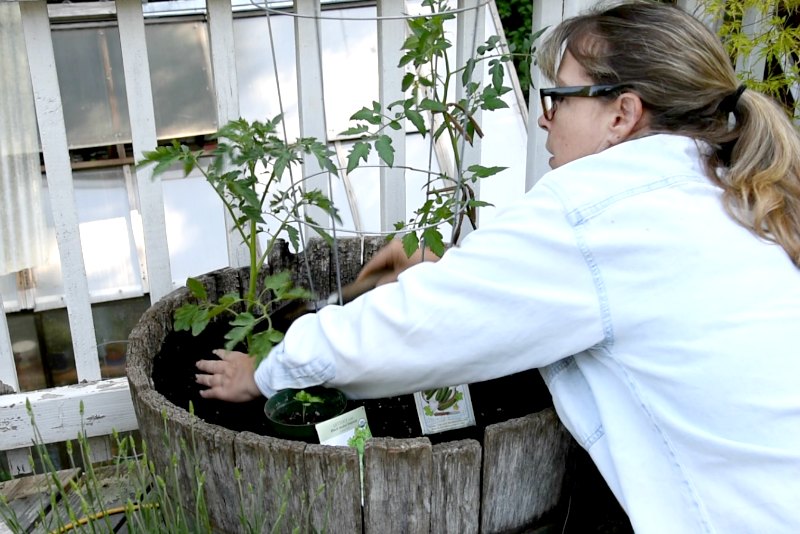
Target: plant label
[444,409]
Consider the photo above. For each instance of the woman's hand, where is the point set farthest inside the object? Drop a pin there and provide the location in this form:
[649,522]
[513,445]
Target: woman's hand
[229,379]
[390,261]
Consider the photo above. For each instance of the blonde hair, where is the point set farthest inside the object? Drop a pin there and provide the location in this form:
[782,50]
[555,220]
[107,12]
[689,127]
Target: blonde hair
[685,80]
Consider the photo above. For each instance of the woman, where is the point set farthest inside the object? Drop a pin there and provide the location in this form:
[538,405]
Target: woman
[652,275]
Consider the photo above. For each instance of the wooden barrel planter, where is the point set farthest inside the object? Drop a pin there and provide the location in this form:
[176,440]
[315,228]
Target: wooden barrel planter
[504,475]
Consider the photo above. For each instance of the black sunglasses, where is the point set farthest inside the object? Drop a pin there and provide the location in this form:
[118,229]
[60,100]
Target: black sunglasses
[551,96]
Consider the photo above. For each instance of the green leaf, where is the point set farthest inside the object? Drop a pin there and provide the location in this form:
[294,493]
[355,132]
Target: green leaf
[197,288]
[260,345]
[359,151]
[432,105]
[416,119]
[200,321]
[243,319]
[278,282]
[356,130]
[408,80]
[385,149]
[492,103]
[484,172]
[366,114]
[433,240]
[183,316]
[410,243]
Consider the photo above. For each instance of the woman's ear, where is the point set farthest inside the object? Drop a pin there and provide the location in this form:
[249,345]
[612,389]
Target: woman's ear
[630,117]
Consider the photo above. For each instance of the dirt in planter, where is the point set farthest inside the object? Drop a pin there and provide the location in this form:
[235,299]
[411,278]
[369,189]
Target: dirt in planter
[493,401]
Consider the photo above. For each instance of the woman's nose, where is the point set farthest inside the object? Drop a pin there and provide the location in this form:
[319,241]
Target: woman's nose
[543,123]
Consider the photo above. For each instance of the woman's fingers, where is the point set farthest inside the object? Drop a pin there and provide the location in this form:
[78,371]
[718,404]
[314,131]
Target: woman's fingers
[229,379]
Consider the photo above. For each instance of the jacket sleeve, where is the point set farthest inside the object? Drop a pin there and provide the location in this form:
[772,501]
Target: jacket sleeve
[517,293]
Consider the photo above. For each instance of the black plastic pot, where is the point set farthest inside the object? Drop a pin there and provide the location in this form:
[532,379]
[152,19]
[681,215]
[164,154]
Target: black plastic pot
[285,413]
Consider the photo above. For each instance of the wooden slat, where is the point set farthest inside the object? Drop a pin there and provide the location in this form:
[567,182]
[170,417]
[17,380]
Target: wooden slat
[310,98]
[524,464]
[545,13]
[29,496]
[223,65]
[8,367]
[50,117]
[456,487]
[391,33]
[754,23]
[107,407]
[143,133]
[334,471]
[471,30]
[266,460]
[397,485]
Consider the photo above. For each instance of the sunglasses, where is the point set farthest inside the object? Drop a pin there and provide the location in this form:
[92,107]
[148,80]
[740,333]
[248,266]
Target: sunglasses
[551,96]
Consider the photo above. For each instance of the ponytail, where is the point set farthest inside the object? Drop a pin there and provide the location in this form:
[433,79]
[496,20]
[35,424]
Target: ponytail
[762,180]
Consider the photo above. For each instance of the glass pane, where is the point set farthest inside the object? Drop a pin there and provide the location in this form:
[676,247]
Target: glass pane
[349,65]
[195,228]
[180,72]
[109,252]
[59,358]
[113,322]
[89,65]
[27,355]
[258,87]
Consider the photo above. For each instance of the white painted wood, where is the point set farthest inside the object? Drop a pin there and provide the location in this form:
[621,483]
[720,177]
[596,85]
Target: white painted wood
[310,98]
[754,23]
[107,407]
[19,461]
[143,133]
[8,368]
[223,65]
[391,34]
[470,33]
[546,13]
[53,136]
[699,9]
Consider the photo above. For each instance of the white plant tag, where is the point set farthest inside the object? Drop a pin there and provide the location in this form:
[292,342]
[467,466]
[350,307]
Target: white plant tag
[444,409]
[345,429]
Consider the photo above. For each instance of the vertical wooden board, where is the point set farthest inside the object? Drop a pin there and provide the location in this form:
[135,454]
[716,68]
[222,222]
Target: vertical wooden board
[213,451]
[227,281]
[455,487]
[55,151]
[333,476]
[397,485]
[524,464]
[263,460]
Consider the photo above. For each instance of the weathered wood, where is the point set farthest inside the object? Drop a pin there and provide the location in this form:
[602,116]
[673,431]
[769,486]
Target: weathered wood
[409,486]
[397,485]
[456,487]
[272,474]
[333,476]
[28,496]
[524,463]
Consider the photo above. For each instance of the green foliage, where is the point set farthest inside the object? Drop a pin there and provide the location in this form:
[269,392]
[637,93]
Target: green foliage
[775,38]
[306,399]
[427,106]
[152,500]
[245,170]
[517,19]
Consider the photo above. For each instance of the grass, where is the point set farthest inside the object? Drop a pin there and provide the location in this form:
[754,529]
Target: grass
[151,502]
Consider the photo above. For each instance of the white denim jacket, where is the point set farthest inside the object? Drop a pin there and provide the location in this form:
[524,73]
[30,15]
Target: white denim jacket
[668,334]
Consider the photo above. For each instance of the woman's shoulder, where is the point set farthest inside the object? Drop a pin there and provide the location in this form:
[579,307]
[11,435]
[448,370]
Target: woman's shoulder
[645,163]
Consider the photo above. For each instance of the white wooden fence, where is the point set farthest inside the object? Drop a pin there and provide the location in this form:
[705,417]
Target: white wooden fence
[107,404]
